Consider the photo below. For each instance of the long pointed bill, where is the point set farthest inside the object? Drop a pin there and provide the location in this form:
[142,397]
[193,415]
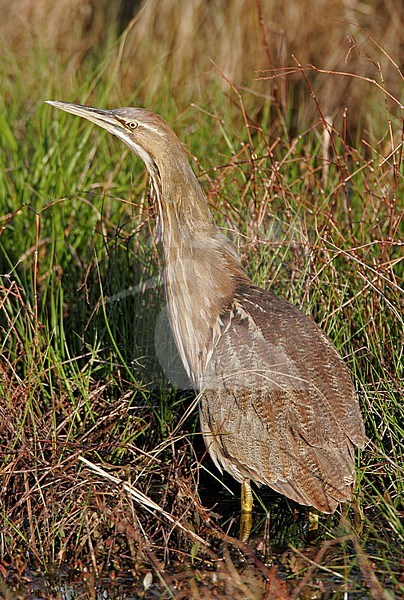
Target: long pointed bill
[103,118]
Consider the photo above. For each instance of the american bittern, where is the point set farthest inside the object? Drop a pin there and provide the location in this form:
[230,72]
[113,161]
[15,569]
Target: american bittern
[277,403]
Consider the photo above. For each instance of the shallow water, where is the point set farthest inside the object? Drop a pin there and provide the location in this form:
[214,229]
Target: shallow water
[285,556]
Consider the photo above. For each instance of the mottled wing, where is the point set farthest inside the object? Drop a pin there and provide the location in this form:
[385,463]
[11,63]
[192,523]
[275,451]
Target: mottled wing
[278,405]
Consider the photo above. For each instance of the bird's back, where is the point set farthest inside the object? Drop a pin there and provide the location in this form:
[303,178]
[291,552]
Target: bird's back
[278,405]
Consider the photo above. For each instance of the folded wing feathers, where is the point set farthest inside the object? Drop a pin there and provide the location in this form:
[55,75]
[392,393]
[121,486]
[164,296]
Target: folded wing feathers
[278,405]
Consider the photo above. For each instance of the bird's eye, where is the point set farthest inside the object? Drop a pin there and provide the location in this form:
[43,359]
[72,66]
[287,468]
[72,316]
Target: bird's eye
[132,124]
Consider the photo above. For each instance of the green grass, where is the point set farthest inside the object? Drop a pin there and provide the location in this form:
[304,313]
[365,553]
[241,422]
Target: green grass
[80,297]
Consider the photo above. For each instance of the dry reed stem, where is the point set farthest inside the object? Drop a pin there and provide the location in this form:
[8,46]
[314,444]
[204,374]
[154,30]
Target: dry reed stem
[142,499]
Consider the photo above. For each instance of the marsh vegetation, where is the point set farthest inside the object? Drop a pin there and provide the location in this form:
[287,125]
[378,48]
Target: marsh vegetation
[104,474]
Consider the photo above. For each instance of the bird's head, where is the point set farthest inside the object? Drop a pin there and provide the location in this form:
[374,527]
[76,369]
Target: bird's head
[174,184]
[146,133]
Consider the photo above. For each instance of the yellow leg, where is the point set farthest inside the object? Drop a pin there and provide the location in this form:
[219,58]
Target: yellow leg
[246,497]
[313,521]
[245,526]
[246,510]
